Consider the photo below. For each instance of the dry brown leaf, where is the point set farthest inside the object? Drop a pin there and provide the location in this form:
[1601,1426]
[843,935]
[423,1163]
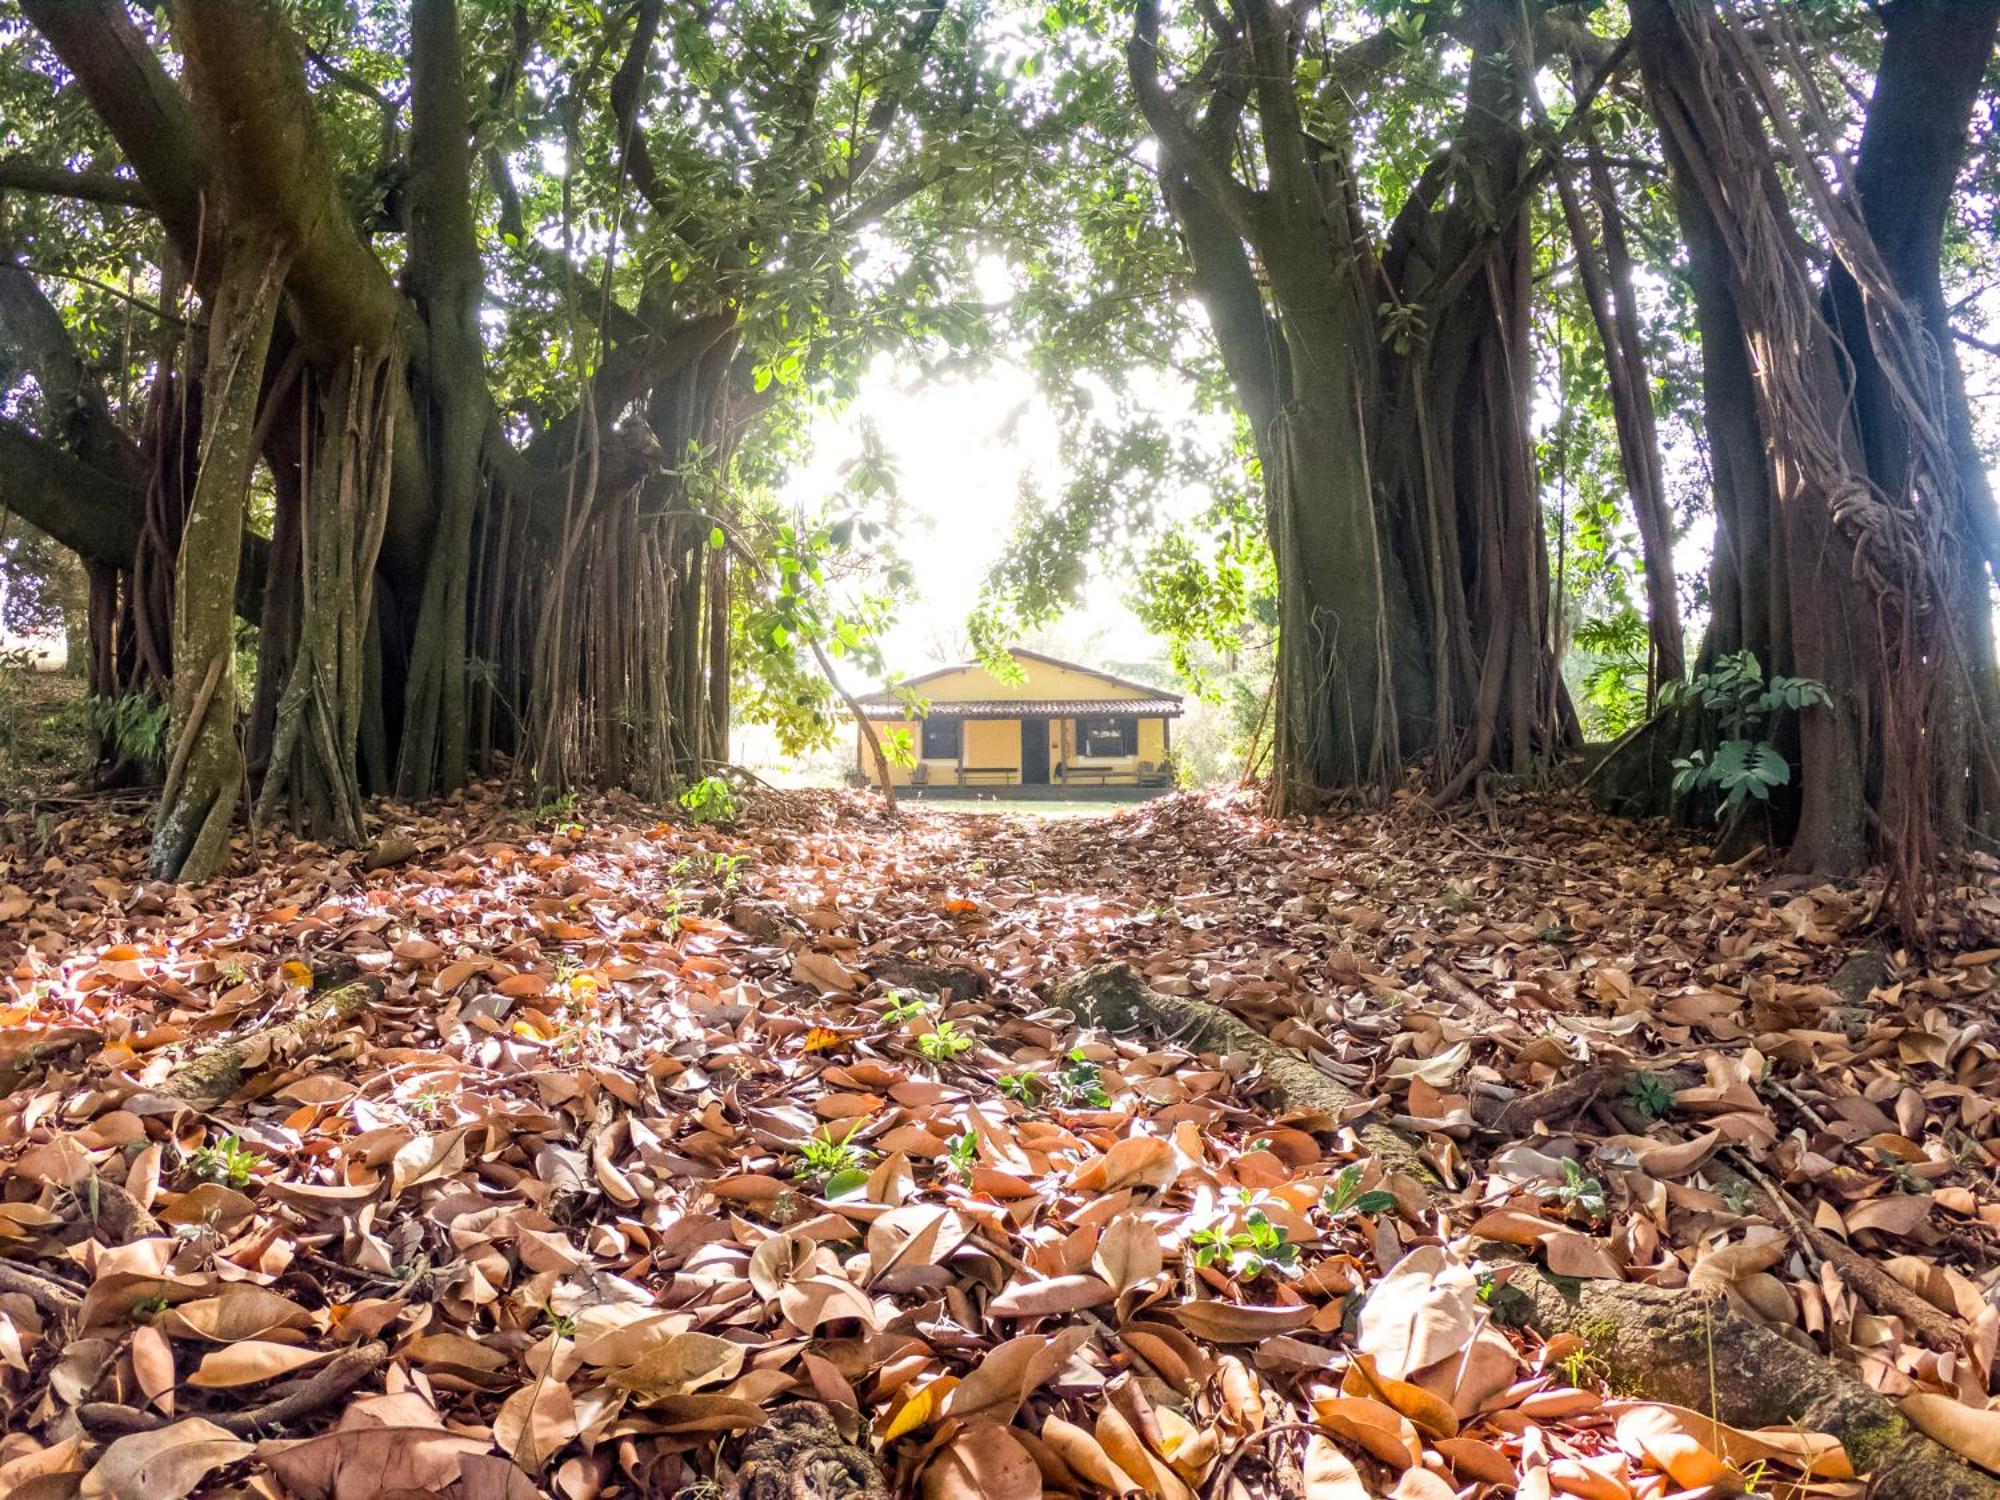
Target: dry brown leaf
[983,1462]
[162,1465]
[1128,1254]
[1059,1294]
[682,1363]
[1970,1432]
[1231,1323]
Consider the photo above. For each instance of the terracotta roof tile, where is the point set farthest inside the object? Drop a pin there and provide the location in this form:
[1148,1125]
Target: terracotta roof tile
[1053,708]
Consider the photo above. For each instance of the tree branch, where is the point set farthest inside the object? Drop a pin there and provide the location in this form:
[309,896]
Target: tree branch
[1190,155]
[20,176]
[142,107]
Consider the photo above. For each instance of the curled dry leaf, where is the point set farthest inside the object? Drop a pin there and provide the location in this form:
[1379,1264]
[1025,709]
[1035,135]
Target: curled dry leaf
[252,1362]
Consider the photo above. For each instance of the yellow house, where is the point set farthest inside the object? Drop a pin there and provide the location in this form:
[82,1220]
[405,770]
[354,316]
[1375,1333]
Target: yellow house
[1061,726]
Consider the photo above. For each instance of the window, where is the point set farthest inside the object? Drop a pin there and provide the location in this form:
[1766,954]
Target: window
[1109,734]
[941,738]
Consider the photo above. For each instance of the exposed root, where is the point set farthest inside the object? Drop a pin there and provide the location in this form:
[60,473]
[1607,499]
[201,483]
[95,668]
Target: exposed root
[800,1453]
[206,1081]
[50,1296]
[1677,1346]
[1680,1346]
[1115,997]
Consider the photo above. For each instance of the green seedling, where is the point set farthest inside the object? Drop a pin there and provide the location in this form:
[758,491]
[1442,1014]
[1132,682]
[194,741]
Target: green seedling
[1081,1083]
[1580,1194]
[1250,1252]
[228,1162]
[1021,1086]
[1650,1094]
[1345,1197]
[963,1155]
[904,1007]
[824,1162]
[944,1043]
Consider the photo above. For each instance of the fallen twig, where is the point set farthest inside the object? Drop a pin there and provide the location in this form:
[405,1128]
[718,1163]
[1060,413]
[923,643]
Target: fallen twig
[107,1419]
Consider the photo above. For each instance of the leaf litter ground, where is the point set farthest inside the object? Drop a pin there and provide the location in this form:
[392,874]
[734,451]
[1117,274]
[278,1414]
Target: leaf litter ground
[572,1158]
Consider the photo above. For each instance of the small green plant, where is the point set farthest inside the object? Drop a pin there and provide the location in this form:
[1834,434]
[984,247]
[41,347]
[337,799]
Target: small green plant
[904,1007]
[1022,1086]
[710,800]
[962,1155]
[1650,1094]
[132,727]
[824,1162]
[1744,765]
[228,1161]
[1580,1194]
[558,812]
[1582,1368]
[1081,1083]
[428,1104]
[1345,1197]
[1736,1194]
[1614,679]
[945,1042]
[728,870]
[1258,1247]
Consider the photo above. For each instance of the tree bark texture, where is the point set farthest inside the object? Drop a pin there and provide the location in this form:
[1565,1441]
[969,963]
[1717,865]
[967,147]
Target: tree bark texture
[1840,560]
[205,763]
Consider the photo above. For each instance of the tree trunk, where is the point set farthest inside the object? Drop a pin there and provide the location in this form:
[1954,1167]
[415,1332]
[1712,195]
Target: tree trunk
[446,282]
[205,763]
[1864,496]
[318,723]
[1934,57]
[1387,393]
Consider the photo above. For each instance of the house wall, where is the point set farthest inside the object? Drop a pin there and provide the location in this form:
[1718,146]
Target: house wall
[997,742]
[1153,743]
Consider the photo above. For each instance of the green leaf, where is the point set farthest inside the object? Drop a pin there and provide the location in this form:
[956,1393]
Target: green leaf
[846,1183]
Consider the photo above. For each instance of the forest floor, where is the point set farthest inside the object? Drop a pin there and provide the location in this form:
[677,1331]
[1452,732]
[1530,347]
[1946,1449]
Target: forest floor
[576,1156]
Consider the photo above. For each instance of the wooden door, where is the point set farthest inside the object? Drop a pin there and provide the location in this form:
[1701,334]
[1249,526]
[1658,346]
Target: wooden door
[1034,752]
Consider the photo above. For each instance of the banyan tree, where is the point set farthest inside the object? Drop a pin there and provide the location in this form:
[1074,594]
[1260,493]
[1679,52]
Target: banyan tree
[480,301]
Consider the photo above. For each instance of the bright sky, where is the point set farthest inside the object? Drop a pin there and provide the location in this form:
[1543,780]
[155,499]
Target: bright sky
[962,447]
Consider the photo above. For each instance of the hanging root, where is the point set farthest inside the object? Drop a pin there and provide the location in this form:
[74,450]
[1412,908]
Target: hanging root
[1680,1346]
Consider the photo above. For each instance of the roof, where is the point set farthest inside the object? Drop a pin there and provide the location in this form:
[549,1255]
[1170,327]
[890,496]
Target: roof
[1168,707]
[1156,700]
